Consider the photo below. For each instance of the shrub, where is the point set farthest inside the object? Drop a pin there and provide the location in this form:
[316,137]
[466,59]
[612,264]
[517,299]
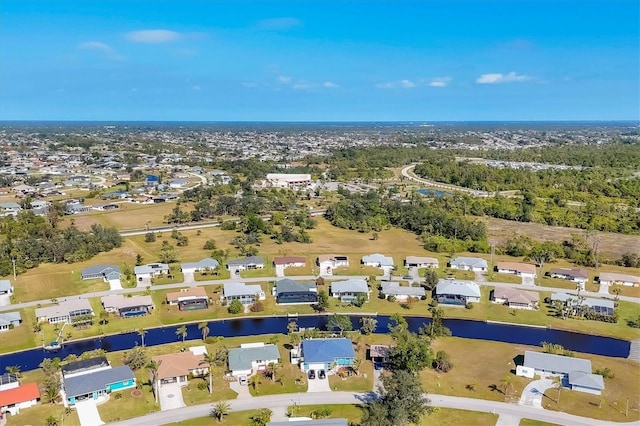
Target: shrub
[235,307]
[605,372]
[210,245]
[203,386]
[391,298]
[468,306]
[149,237]
[257,307]
[228,225]
[117,396]
[423,297]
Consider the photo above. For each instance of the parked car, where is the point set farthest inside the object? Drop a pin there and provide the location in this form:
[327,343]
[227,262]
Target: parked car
[312,374]
[322,374]
[377,365]
[407,277]
[243,380]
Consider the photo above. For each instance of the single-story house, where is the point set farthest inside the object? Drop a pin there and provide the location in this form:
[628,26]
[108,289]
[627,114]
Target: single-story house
[106,207]
[469,264]
[176,367]
[350,289]
[9,320]
[290,291]
[200,266]
[84,366]
[97,384]
[6,287]
[326,354]
[420,262]
[252,357]
[189,299]
[613,278]
[65,311]
[599,306]
[246,294]
[124,306]
[9,209]
[282,263]
[329,262]
[15,399]
[515,298]
[579,275]
[576,371]
[453,292]
[250,262]
[378,260]
[178,183]
[104,272]
[150,270]
[517,268]
[401,293]
[379,353]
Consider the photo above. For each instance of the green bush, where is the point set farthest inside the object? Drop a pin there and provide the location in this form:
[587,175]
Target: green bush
[235,307]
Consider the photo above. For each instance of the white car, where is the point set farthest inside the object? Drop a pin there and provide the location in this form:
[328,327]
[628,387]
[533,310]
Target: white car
[243,380]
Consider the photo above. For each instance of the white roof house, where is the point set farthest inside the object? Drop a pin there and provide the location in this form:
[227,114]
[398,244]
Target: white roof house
[421,262]
[378,260]
[65,311]
[576,370]
[251,357]
[401,293]
[455,292]
[199,266]
[5,287]
[620,279]
[469,263]
[245,293]
[350,288]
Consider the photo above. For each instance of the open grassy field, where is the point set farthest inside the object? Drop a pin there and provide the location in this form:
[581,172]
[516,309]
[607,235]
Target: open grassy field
[128,216]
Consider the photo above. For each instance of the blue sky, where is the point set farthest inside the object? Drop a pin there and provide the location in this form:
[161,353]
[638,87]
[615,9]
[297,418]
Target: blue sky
[320,60]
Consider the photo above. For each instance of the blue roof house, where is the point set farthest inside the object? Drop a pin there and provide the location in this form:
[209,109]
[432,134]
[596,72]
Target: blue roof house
[326,354]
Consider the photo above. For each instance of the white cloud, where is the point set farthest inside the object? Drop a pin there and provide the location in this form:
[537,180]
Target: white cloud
[278,23]
[196,88]
[153,36]
[284,79]
[301,85]
[440,82]
[97,46]
[496,78]
[330,85]
[405,84]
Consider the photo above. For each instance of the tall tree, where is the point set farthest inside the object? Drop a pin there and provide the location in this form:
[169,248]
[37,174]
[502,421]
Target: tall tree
[182,332]
[401,401]
[204,329]
[220,410]
[368,325]
[141,333]
[152,366]
[341,322]
[210,360]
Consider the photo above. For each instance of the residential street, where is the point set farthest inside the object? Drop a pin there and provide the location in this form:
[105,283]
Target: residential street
[500,408]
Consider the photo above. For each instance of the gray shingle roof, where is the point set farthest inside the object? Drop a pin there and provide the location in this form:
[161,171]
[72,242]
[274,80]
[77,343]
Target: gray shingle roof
[350,286]
[378,258]
[589,302]
[204,263]
[99,269]
[251,260]
[474,262]
[93,382]
[241,358]
[241,289]
[5,285]
[557,363]
[395,289]
[290,286]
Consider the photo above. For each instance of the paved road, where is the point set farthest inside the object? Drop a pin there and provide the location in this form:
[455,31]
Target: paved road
[500,408]
[407,172]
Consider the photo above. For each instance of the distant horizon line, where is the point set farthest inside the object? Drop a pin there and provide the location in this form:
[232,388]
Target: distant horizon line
[319,121]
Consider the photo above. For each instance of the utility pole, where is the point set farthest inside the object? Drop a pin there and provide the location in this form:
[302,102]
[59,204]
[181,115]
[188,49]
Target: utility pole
[13,260]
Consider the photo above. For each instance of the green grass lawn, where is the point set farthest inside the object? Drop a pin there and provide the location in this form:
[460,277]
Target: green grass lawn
[127,406]
[192,394]
[529,422]
[289,378]
[38,414]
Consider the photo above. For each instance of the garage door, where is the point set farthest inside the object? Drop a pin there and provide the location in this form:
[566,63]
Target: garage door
[316,366]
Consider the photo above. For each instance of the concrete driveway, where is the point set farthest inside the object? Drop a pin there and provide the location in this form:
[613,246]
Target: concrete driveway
[241,390]
[534,392]
[319,385]
[88,413]
[171,397]
[5,300]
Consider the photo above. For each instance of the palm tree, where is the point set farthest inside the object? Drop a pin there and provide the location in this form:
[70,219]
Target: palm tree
[204,328]
[557,383]
[182,331]
[13,369]
[356,365]
[220,410]
[210,360]
[152,366]
[272,369]
[506,384]
[141,333]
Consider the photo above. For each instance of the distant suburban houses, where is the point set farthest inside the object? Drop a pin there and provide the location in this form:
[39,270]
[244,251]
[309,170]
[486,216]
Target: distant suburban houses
[475,264]
[453,292]
[250,358]
[103,272]
[571,274]
[203,265]
[189,299]
[290,291]
[65,311]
